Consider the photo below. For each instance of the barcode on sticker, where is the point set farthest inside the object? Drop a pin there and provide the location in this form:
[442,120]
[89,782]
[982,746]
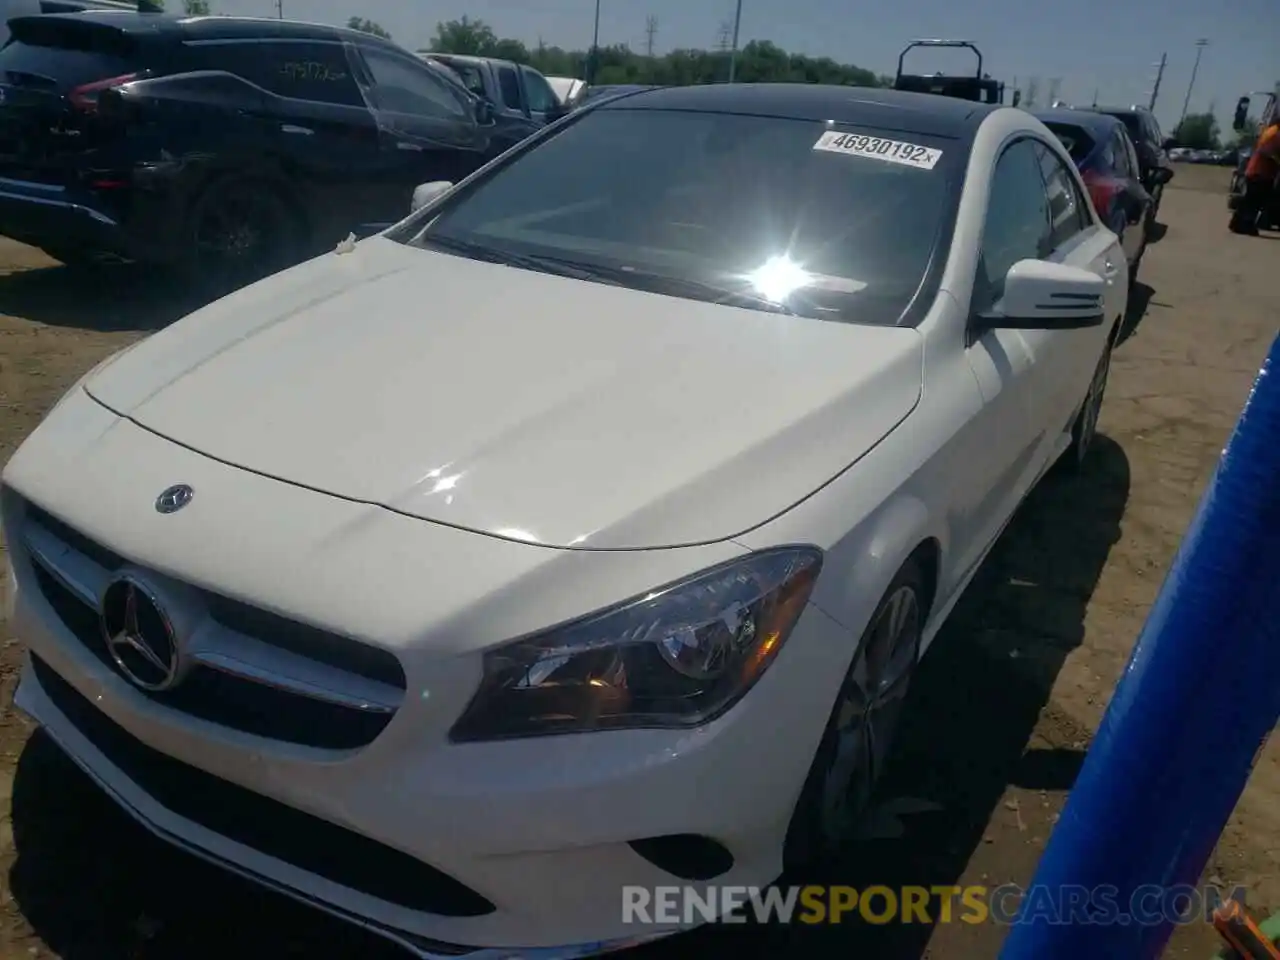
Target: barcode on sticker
[878,148]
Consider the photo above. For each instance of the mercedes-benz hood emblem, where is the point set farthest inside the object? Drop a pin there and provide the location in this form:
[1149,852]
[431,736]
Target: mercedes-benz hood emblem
[174,498]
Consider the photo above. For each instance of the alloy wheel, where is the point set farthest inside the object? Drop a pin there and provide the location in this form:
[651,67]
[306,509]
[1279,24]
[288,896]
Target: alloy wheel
[867,714]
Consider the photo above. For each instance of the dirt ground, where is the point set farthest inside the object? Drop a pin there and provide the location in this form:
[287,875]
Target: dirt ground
[1004,708]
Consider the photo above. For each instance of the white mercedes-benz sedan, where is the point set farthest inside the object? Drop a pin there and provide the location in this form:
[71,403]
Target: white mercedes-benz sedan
[581,531]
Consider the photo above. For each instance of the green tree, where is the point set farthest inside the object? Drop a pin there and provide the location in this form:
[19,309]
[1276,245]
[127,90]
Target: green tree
[1245,137]
[1198,131]
[365,25]
[759,61]
[196,8]
[465,36]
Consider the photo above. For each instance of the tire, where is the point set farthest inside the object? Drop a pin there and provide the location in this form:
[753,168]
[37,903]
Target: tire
[1085,427]
[1153,211]
[238,231]
[851,755]
[1136,266]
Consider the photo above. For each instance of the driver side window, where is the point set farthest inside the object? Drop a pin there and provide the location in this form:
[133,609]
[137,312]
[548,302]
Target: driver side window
[541,97]
[1017,225]
[401,85]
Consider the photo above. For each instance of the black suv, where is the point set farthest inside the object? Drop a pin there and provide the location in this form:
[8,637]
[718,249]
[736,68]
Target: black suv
[1152,146]
[227,147]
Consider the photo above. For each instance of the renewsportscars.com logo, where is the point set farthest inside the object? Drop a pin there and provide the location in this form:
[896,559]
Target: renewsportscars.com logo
[1007,904]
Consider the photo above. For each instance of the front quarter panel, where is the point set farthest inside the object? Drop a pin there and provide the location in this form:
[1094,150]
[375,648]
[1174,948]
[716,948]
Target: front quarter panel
[916,488]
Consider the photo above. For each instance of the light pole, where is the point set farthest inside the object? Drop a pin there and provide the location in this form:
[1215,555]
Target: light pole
[595,48]
[733,53]
[1200,45]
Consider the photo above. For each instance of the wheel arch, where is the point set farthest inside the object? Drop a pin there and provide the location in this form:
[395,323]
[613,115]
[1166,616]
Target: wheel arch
[902,531]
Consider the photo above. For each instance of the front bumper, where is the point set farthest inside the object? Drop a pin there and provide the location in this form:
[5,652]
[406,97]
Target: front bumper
[540,828]
[34,699]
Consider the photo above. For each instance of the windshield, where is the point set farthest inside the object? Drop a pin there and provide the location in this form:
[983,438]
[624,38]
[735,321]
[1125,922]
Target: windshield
[754,211]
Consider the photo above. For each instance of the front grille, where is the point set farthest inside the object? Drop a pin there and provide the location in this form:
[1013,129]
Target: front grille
[317,846]
[225,699]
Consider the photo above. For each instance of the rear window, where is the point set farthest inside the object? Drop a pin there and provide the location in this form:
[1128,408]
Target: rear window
[469,74]
[58,55]
[690,203]
[1078,143]
[1132,123]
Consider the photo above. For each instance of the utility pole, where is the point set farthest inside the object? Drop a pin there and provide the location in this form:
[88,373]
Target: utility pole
[722,36]
[1155,91]
[733,56]
[1095,98]
[280,9]
[650,31]
[1055,84]
[1200,45]
[595,48]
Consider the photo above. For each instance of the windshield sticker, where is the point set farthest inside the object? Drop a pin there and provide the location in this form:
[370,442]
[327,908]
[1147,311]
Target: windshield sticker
[878,148]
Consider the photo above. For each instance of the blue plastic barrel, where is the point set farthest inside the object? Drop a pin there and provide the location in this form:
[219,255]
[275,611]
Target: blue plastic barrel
[1198,698]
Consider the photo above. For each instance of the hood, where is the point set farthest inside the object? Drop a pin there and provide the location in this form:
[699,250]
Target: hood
[519,404]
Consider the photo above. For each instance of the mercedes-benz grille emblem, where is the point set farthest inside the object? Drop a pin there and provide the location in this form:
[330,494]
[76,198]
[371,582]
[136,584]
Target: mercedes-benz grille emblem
[174,498]
[139,636]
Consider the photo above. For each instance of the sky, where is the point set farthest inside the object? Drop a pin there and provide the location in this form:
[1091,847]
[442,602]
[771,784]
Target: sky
[1111,47]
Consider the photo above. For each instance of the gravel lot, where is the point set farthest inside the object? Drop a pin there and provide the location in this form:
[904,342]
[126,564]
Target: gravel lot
[1004,708]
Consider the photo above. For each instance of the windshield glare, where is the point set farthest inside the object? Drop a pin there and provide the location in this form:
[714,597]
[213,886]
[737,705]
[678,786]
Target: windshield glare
[689,203]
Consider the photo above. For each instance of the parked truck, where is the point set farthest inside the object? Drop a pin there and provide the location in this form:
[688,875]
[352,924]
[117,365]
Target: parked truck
[979,87]
[523,101]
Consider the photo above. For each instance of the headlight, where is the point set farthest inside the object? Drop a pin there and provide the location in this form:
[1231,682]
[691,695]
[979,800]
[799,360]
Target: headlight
[678,656]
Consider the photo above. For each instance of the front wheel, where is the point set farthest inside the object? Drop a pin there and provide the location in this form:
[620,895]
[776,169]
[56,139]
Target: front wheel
[1085,427]
[859,733]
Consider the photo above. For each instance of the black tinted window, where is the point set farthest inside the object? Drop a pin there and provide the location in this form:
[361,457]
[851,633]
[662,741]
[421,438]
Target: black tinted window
[470,76]
[682,202]
[54,56]
[299,70]
[402,84]
[1017,226]
[509,87]
[1067,213]
[1121,150]
[1078,143]
[1132,123]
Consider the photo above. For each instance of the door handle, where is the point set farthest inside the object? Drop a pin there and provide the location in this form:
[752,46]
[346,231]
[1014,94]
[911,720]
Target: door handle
[292,128]
[1109,269]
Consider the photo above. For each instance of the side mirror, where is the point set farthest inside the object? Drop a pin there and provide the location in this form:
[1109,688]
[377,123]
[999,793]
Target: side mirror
[484,112]
[1039,295]
[428,193]
[1160,176]
[1168,143]
[555,112]
[1241,119]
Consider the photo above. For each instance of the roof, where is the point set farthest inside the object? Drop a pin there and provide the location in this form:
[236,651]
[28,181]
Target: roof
[1097,124]
[859,106]
[1133,108]
[214,27]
